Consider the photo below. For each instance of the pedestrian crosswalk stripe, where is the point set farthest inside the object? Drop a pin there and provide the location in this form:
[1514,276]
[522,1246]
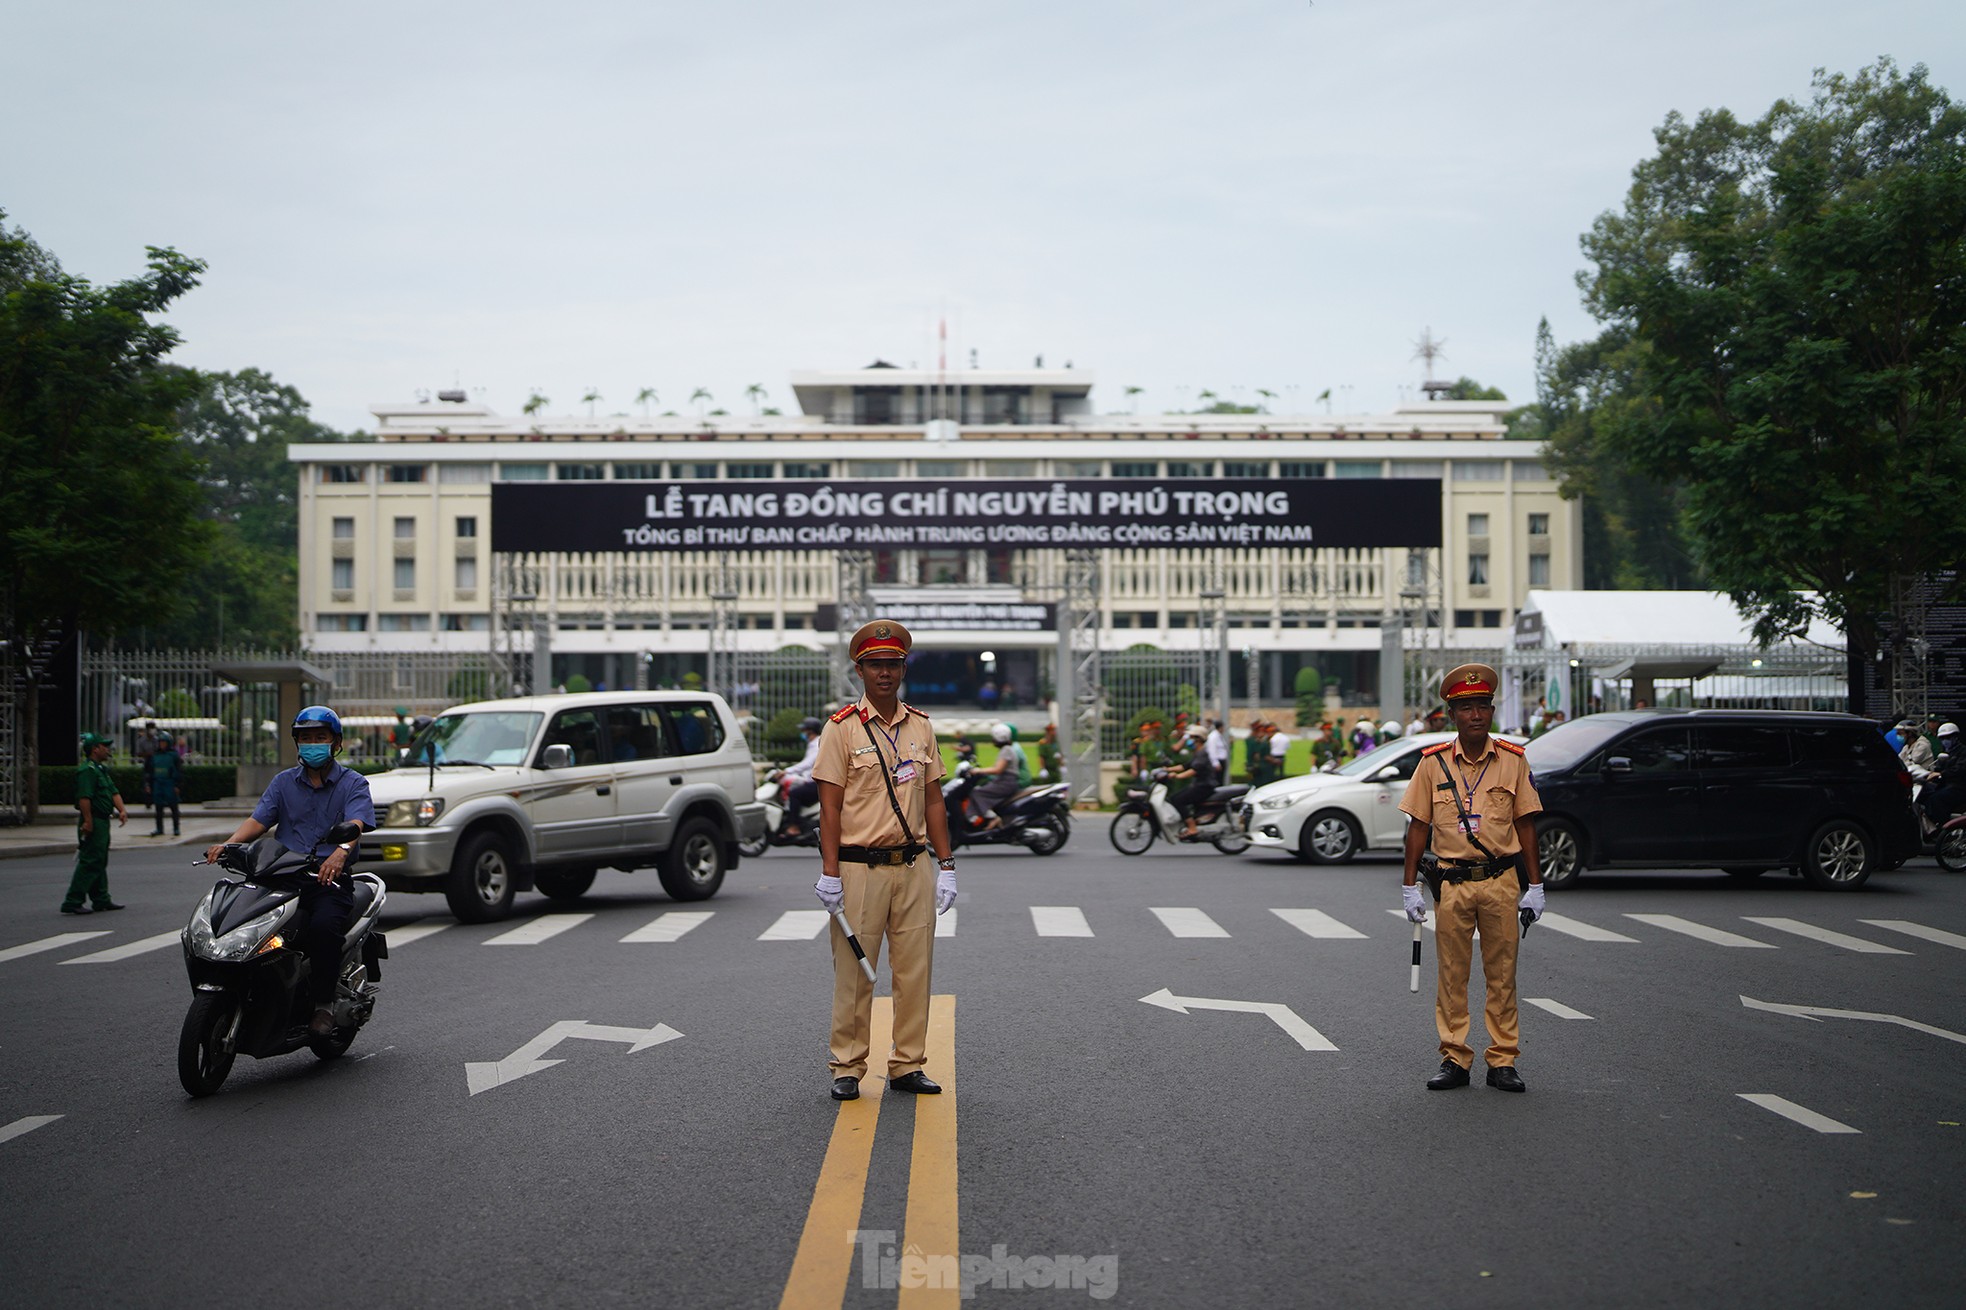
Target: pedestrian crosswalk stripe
[539,930]
[128,949]
[669,927]
[1801,1114]
[27,1125]
[1187,921]
[54,943]
[1060,921]
[1316,923]
[1718,936]
[1919,930]
[416,931]
[1589,932]
[1811,931]
[1557,1008]
[796,926]
[945,924]
[1427,923]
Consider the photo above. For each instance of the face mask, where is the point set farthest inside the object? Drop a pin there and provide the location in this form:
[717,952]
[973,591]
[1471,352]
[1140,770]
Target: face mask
[316,754]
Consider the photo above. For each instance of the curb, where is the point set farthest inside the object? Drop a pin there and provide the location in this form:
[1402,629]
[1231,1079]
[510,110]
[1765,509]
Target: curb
[27,850]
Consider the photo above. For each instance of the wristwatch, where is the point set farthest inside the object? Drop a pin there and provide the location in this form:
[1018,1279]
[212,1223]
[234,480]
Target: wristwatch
[946,862]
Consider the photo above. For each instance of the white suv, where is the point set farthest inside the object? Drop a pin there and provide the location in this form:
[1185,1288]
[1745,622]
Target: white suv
[1326,818]
[542,791]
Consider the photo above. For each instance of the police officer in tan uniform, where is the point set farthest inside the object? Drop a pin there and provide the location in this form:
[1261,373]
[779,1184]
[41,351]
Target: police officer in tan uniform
[880,814]
[1473,800]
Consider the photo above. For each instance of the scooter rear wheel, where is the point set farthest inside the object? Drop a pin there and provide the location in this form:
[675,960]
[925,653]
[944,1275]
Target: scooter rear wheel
[1047,836]
[333,1045]
[757,846]
[204,1046]
[1132,832]
[1952,850]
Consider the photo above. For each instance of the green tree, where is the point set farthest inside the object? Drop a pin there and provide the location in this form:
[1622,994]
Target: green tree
[646,397]
[1788,297]
[1467,388]
[534,403]
[98,499]
[700,397]
[590,398]
[756,393]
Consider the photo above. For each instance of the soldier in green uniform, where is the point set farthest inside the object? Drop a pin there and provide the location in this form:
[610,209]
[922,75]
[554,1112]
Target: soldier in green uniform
[95,797]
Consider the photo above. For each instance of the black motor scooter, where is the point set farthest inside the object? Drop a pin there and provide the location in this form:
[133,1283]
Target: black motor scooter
[1039,819]
[249,978]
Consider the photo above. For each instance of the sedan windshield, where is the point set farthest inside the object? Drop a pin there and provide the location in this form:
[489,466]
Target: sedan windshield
[488,738]
[1373,760]
[1567,743]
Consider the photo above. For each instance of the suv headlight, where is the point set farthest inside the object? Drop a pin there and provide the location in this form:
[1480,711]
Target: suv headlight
[419,814]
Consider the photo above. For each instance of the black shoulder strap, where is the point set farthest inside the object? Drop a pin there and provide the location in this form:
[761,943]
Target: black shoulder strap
[1467,828]
[907,833]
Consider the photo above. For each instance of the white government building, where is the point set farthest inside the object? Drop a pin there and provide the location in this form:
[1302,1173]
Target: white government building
[394,549]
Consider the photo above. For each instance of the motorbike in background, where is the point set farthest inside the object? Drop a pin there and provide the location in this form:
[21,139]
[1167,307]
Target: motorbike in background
[1039,818]
[249,978]
[1148,814]
[773,793]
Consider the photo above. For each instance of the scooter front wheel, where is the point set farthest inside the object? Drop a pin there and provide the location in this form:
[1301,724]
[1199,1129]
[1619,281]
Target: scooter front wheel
[1132,832]
[757,846]
[1952,850]
[205,1048]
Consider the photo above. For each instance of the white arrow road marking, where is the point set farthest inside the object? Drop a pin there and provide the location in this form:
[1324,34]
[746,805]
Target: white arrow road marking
[1286,1018]
[1187,921]
[1557,1008]
[27,1125]
[1814,933]
[482,1077]
[127,949]
[1316,923]
[1718,936]
[1588,932]
[1910,929]
[538,930]
[48,944]
[669,927]
[1801,1114]
[1816,1012]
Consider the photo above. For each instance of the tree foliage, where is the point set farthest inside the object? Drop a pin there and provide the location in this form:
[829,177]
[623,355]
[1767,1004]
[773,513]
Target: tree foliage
[1785,344]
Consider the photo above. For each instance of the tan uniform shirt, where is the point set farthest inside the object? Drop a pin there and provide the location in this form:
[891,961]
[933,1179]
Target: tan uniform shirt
[1494,789]
[852,756]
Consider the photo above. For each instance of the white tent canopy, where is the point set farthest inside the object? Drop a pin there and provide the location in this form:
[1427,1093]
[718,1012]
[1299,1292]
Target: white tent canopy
[1649,618]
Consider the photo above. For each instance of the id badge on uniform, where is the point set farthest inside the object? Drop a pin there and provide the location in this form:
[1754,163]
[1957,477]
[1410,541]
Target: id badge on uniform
[905,772]
[1474,824]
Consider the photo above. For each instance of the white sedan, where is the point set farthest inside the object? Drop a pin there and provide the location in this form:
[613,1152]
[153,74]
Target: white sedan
[1326,818]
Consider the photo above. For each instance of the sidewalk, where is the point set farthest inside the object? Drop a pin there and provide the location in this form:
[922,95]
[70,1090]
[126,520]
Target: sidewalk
[54,833]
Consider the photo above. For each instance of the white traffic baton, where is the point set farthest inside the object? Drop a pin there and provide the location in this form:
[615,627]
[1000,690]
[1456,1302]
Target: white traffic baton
[866,966]
[1413,983]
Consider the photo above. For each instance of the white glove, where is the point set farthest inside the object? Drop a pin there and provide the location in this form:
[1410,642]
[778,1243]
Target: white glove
[1532,900]
[945,890]
[1416,908]
[831,894]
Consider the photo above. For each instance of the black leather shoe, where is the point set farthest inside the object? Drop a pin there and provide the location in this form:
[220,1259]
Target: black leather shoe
[75,909]
[107,906]
[916,1082]
[1506,1078]
[846,1089]
[322,1025]
[1450,1075]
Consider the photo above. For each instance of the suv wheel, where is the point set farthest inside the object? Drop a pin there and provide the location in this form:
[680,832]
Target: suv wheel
[566,883]
[693,866]
[481,884]
[1839,857]
[1559,853]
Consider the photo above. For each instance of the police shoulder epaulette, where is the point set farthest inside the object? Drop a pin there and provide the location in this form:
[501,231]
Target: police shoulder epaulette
[911,709]
[1435,750]
[1509,746]
[845,713]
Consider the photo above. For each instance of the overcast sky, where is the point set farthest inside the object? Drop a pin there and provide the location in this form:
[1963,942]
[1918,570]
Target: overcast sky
[618,194]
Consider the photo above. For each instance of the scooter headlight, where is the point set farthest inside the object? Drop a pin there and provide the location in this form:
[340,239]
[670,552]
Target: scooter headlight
[242,943]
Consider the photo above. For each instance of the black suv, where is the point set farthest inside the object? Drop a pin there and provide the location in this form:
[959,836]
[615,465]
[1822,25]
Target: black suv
[1743,790]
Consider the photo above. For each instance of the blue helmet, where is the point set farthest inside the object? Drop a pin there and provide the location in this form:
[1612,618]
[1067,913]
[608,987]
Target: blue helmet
[317,716]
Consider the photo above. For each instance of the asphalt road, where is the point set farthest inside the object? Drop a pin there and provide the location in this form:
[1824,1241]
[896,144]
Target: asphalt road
[1152,1157]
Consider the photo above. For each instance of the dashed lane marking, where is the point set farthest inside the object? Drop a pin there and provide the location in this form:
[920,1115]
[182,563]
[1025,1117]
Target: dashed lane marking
[416,931]
[1801,1114]
[1814,933]
[538,930]
[1588,932]
[19,1126]
[1919,930]
[669,927]
[1557,1008]
[54,943]
[1316,923]
[128,949]
[1060,921]
[1718,936]
[1187,921]
[796,926]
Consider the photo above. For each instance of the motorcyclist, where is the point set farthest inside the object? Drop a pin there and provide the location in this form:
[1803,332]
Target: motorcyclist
[304,802]
[1002,779]
[799,788]
[1944,794]
[1917,753]
[1200,770]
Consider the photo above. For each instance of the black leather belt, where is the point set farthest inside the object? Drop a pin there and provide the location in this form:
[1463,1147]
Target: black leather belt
[878,855]
[1453,872]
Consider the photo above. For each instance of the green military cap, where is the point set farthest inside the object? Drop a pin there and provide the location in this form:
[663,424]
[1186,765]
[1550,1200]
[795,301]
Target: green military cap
[91,740]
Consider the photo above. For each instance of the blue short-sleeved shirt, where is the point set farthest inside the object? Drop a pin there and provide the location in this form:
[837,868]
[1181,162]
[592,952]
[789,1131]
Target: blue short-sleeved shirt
[304,813]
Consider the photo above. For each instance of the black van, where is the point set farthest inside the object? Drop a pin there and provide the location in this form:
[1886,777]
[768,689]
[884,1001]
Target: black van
[1742,790]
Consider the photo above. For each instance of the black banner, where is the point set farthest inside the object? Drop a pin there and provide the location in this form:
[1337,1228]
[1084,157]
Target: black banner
[1130,513]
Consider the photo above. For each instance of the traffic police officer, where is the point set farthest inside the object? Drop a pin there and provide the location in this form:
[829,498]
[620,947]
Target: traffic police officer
[95,797]
[1472,798]
[880,812]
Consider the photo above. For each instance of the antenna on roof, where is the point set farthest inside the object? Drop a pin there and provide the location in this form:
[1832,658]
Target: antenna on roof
[1427,350]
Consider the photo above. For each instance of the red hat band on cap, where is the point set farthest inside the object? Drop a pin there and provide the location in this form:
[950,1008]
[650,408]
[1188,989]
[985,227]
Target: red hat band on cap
[1472,685]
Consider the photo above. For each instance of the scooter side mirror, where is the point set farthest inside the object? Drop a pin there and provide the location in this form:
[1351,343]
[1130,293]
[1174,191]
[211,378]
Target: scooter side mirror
[343,832]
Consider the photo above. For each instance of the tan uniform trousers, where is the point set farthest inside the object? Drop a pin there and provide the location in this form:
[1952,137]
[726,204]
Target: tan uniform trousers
[1491,906]
[896,902]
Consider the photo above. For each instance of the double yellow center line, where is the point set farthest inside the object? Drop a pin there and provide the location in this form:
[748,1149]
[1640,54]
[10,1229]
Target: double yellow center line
[824,1260]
